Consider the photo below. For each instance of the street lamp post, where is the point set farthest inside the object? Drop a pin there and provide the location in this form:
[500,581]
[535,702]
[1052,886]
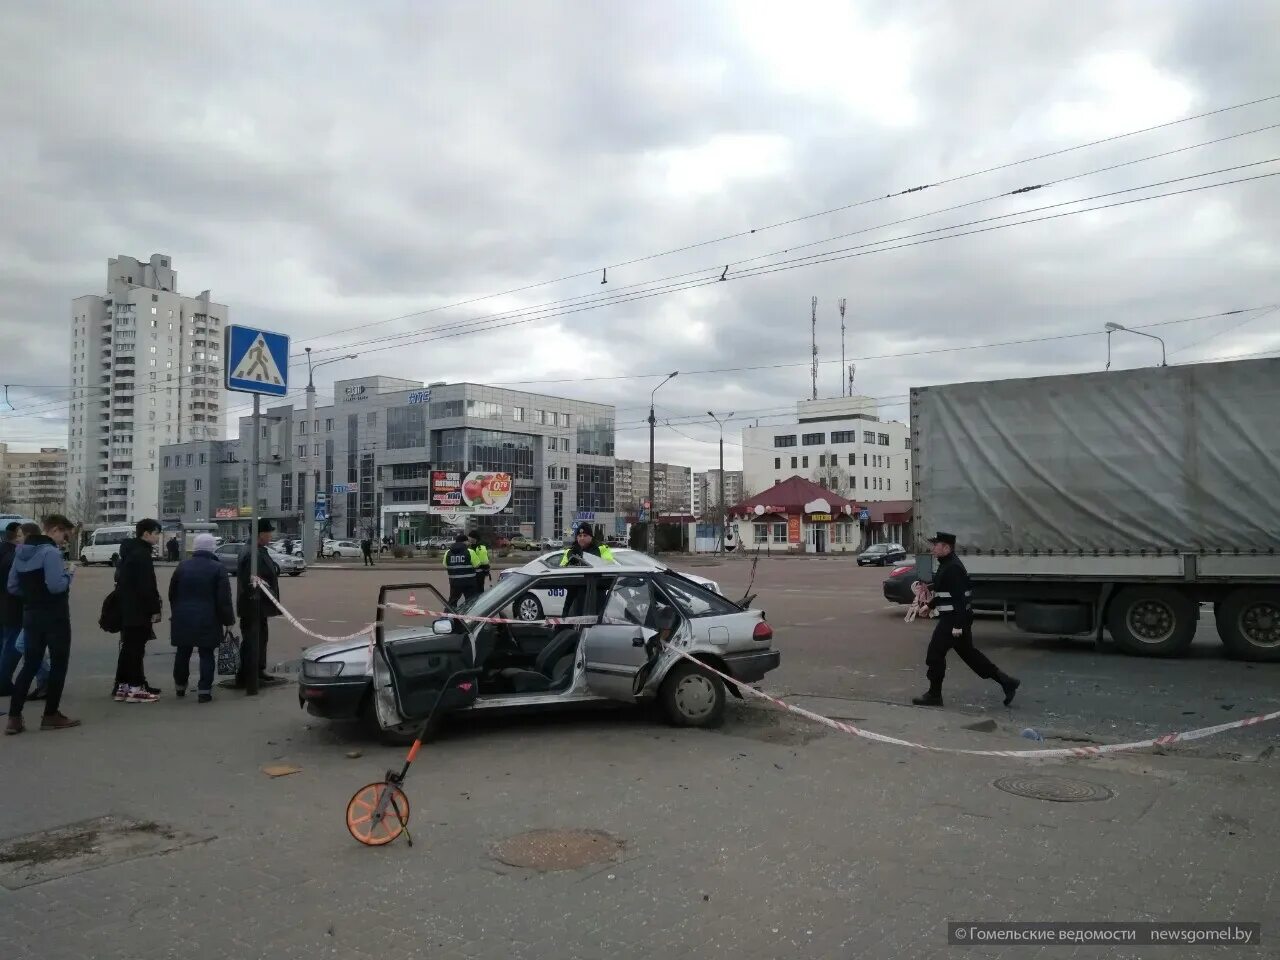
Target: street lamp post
[1117,328]
[724,519]
[651,533]
[309,523]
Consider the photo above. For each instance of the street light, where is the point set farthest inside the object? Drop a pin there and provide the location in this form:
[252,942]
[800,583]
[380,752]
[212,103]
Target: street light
[724,521]
[308,526]
[1118,328]
[651,532]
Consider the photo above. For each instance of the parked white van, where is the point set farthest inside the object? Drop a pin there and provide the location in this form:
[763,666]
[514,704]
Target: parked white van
[103,544]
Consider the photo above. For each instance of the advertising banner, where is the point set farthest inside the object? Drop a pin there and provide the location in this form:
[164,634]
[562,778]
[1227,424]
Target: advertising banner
[478,493]
[793,529]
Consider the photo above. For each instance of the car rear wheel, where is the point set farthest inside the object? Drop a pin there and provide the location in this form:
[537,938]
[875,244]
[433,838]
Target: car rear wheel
[692,697]
[528,608]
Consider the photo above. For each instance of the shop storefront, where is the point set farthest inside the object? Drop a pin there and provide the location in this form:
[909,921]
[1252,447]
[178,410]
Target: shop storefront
[797,516]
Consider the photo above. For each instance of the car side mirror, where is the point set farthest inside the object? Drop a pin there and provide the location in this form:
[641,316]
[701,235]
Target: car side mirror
[442,627]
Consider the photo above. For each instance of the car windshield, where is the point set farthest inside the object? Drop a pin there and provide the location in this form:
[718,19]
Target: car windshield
[878,548]
[497,597]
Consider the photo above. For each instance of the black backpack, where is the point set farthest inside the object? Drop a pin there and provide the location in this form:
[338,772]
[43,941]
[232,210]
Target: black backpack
[110,619]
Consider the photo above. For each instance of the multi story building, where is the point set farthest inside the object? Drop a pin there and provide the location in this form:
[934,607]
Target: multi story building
[33,484]
[146,370]
[372,451]
[841,444]
[706,490]
[672,488]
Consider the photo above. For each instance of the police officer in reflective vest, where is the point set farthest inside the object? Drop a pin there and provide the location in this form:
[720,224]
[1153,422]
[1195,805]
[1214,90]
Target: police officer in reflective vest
[460,564]
[953,599]
[584,541]
[480,557]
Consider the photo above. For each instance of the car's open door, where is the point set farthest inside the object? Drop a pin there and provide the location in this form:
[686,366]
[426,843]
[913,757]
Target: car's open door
[623,649]
[412,663]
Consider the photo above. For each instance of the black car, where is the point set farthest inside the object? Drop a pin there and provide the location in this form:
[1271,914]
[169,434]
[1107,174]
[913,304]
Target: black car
[881,555]
[897,586]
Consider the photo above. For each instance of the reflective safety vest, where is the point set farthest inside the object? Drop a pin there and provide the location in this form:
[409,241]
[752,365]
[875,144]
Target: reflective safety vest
[480,557]
[459,562]
[600,550]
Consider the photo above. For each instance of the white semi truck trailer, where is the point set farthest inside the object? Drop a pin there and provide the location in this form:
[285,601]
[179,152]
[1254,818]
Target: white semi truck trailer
[1118,502]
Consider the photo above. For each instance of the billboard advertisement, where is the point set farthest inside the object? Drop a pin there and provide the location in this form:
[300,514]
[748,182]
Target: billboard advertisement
[479,493]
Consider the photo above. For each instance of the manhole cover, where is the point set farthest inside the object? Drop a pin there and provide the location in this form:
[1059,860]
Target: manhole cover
[547,850]
[87,845]
[1054,789]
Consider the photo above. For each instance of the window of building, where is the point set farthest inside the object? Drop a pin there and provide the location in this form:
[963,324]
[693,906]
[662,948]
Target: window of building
[777,463]
[173,497]
[804,462]
[786,441]
[411,471]
[595,435]
[594,487]
[780,533]
[551,473]
[906,464]
[302,428]
[794,465]
[865,458]
[908,442]
[204,457]
[853,459]
[199,506]
[371,419]
[868,436]
[814,439]
[154,311]
[198,482]
[189,459]
[844,436]
[406,427]
[155,298]
[316,450]
[822,460]
[564,473]
[517,414]
[286,492]
[302,450]
[882,439]
[328,425]
[484,410]
[166,462]
[888,484]
[445,409]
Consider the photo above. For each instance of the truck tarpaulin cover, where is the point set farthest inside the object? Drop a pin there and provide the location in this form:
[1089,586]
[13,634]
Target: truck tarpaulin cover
[1176,458]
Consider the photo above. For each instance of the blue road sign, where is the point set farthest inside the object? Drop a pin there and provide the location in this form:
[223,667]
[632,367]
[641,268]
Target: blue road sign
[864,514]
[257,361]
[322,511]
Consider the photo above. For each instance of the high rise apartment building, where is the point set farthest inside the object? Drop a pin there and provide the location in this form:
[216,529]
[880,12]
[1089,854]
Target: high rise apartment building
[146,370]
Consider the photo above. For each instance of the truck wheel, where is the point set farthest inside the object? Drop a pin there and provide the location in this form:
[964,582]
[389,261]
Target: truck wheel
[1249,624]
[692,697]
[1152,621]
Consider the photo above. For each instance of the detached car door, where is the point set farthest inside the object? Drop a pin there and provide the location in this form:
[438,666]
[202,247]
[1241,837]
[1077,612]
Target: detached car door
[412,664]
[622,651]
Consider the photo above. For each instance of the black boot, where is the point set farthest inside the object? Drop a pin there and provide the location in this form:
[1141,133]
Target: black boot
[933,698]
[1008,684]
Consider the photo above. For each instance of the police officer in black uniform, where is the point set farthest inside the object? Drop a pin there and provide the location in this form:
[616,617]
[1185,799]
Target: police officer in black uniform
[953,599]
[459,563]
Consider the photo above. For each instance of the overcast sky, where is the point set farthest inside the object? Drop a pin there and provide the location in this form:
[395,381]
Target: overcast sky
[325,167]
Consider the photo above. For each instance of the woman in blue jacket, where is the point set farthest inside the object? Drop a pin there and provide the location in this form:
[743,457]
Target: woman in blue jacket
[200,610]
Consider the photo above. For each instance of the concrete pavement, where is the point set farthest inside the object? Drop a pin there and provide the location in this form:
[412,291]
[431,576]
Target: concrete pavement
[768,837]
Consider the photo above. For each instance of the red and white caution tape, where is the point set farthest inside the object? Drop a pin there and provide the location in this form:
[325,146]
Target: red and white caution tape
[920,605]
[1080,752]
[1044,754]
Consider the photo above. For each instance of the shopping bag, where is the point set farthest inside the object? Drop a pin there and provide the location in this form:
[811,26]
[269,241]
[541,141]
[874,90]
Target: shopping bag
[229,655]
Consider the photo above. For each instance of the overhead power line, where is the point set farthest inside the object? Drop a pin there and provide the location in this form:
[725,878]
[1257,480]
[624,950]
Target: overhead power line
[800,219]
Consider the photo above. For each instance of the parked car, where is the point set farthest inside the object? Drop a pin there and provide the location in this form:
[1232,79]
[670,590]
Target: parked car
[343,548]
[897,589]
[535,605]
[524,543]
[229,555]
[393,686]
[881,555]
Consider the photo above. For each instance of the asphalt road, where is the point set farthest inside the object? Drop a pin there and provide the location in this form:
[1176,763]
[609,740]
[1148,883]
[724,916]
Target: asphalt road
[840,640]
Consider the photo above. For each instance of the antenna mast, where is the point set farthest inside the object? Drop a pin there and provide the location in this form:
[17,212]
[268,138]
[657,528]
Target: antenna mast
[813,322]
[852,368]
[843,301]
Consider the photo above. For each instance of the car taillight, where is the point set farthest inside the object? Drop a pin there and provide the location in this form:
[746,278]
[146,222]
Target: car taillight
[899,571]
[763,632]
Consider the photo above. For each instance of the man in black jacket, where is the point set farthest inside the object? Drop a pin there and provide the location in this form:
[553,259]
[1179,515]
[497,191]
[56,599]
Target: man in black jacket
[140,607]
[953,599]
[11,617]
[254,609]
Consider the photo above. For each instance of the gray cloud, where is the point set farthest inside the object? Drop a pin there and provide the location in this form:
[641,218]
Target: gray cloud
[360,163]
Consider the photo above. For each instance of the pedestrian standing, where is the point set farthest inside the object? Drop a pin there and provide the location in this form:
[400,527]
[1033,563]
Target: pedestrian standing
[953,599]
[40,577]
[11,616]
[200,609]
[254,610]
[366,549]
[140,607]
[172,550]
[480,557]
[459,563]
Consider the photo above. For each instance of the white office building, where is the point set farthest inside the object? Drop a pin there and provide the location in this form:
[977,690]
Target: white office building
[840,443]
[146,370]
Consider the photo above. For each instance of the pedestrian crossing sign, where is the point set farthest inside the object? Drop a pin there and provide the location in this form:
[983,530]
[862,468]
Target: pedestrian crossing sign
[257,361]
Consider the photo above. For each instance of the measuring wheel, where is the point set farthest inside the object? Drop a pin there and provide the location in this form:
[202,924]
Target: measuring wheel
[378,814]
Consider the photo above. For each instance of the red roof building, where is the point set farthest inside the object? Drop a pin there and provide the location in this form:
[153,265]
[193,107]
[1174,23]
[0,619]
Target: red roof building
[798,516]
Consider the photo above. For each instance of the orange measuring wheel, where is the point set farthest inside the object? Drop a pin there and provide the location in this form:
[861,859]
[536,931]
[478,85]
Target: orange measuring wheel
[378,813]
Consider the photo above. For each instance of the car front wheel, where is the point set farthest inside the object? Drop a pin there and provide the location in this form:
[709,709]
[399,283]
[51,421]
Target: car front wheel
[528,608]
[692,697]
